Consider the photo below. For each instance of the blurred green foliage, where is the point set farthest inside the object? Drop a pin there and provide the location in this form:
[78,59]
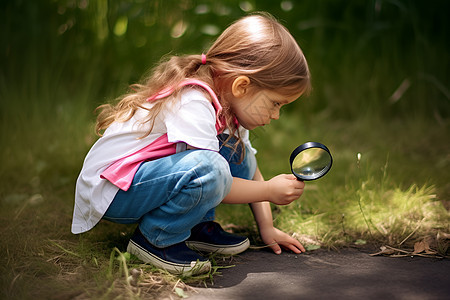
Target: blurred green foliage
[372,62]
[360,52]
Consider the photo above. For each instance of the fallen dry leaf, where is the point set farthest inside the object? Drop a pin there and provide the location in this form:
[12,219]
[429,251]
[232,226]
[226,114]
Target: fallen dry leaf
[420,247]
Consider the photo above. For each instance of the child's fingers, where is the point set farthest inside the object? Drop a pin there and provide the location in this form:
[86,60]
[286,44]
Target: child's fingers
[298,184]
[298,245]
[294,248]
[288,246]
[293,245]
[275,247]
[291,177]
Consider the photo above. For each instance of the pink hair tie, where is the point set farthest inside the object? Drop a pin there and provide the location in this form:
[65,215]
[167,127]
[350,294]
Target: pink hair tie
[203,59]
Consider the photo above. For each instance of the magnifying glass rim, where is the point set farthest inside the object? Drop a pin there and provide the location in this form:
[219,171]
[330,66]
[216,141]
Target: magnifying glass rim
[309,145]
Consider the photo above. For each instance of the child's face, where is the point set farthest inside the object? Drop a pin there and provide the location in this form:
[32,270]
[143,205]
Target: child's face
[259,107]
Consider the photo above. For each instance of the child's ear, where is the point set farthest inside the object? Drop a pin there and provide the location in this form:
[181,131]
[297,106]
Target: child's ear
[240,86]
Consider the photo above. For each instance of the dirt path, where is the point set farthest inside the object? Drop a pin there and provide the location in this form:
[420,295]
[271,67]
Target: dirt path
[348,274]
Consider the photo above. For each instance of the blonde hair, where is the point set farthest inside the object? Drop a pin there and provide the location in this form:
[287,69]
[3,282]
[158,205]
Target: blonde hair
[256,46]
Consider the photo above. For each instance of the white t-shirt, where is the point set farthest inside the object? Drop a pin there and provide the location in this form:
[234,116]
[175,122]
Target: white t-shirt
[191,120]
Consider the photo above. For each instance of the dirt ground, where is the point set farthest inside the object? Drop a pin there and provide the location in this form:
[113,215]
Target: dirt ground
[321,274]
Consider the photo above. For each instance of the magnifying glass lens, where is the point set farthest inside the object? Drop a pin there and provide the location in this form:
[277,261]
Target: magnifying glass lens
[310,161]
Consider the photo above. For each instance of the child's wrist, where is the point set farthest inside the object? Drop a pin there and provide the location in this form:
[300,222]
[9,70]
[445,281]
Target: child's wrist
[268,191]
[265,226]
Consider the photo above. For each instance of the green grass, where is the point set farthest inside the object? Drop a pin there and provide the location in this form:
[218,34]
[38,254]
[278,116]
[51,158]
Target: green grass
[395,194]
[50,83]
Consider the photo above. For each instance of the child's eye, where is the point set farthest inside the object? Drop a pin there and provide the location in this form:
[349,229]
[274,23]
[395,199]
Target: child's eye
[277,104]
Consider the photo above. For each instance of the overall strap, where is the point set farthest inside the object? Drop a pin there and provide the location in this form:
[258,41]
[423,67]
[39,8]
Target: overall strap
[191,81]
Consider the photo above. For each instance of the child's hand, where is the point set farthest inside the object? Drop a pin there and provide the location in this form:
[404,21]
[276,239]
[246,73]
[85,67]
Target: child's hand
[285,188]
[276,238]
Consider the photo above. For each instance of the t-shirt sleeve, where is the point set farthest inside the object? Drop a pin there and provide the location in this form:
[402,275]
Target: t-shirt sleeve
[193,121]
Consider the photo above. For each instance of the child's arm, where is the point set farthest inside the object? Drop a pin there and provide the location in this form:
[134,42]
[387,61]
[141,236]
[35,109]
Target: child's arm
[271,235]
[281,190]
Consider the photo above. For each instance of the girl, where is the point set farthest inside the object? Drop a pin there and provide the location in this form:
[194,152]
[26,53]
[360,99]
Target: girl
[178,146]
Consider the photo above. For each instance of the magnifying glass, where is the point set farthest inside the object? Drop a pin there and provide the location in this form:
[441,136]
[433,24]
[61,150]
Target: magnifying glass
[310,161]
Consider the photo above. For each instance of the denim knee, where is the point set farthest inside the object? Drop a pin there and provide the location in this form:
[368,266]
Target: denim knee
[215,173]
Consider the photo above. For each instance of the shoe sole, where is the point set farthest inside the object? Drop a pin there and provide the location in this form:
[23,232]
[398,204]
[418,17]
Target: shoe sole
[220,249]
[194,268]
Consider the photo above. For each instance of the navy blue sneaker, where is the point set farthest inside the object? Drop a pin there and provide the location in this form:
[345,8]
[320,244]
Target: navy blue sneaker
[176,259]
[210,237]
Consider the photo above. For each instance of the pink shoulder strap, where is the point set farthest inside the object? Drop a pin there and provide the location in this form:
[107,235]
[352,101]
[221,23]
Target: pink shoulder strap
[167,92]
